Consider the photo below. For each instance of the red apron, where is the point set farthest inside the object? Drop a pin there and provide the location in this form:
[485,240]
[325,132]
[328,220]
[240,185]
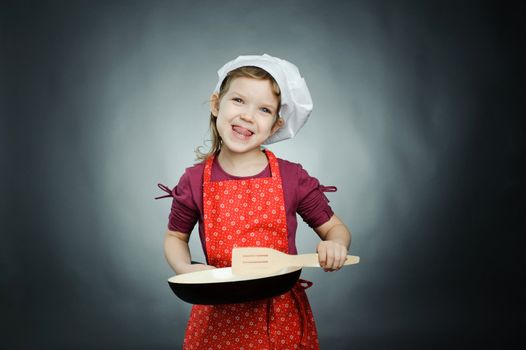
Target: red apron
[249,213]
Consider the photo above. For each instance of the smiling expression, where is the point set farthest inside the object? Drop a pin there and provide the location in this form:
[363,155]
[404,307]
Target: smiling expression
[246,114]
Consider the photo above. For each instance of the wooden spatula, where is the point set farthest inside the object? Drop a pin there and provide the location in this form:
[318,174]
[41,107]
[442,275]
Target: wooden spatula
[260,261]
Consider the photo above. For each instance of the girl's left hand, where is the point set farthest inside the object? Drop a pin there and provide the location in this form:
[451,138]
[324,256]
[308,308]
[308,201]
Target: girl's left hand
[331,255]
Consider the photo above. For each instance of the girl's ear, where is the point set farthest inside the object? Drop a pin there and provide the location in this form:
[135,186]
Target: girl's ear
[277,125]
[214,104]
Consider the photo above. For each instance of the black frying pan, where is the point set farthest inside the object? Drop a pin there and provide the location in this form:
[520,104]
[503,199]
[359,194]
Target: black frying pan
[220,286]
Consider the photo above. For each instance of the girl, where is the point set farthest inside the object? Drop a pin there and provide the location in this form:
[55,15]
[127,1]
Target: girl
[242,195]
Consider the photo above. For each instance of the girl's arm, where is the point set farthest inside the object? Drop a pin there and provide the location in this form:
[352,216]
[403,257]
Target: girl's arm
[336,240]
[177,253]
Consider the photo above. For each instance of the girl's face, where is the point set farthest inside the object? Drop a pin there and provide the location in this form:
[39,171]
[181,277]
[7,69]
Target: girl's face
[246,115]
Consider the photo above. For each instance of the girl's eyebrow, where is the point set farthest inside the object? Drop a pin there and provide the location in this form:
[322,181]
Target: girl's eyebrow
[235,92]
[267,104]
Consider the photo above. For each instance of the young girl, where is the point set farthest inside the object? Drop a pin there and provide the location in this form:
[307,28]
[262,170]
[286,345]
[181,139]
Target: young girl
[243,196]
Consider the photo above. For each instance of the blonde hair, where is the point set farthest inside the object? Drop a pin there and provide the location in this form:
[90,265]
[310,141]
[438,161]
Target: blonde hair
[246,72]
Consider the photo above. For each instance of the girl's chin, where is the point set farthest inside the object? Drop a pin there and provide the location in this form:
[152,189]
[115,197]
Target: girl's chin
[241,147]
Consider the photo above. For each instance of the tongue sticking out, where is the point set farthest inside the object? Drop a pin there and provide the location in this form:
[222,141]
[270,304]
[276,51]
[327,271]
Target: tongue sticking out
[242,130]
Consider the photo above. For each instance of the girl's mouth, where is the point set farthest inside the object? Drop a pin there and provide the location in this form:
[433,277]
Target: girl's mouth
[241,132]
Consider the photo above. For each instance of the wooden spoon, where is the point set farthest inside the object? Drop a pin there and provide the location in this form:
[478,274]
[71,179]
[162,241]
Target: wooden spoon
[258,261]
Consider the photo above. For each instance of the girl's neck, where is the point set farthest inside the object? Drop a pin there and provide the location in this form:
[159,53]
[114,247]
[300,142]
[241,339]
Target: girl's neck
[242,164]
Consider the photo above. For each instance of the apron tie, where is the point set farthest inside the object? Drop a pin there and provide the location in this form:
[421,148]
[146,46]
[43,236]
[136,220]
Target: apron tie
[299,296]
[165,189]
[298,292]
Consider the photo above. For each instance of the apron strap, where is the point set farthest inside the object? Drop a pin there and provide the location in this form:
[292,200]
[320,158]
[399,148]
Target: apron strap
[299,296]
[207,175]
[272,160]
[273,163]
[298,292]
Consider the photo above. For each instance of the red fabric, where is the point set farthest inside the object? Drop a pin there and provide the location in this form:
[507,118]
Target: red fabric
[303,194]
[248,213]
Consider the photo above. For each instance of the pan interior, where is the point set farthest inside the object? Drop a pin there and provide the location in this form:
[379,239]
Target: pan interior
[222,275]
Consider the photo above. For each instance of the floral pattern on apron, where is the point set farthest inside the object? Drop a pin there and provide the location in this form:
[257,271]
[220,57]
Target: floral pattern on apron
[249,213]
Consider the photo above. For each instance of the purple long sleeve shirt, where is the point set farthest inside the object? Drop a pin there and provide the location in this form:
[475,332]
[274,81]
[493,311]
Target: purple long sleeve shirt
[303,194]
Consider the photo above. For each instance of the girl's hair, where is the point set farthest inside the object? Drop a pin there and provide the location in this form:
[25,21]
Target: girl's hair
[246,72]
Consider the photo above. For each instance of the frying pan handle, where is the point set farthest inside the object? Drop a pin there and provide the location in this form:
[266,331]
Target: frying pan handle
[311,260]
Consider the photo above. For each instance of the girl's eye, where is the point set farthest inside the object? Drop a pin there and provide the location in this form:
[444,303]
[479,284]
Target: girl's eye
[266,110]
[237,99]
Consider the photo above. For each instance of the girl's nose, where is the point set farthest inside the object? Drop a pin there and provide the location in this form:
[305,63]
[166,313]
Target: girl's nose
[248,115]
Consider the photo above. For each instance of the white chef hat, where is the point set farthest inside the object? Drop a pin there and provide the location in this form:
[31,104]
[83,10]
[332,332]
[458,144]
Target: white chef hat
[296,103]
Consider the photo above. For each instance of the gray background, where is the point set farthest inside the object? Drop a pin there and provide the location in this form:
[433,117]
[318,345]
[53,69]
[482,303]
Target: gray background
[416,120]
